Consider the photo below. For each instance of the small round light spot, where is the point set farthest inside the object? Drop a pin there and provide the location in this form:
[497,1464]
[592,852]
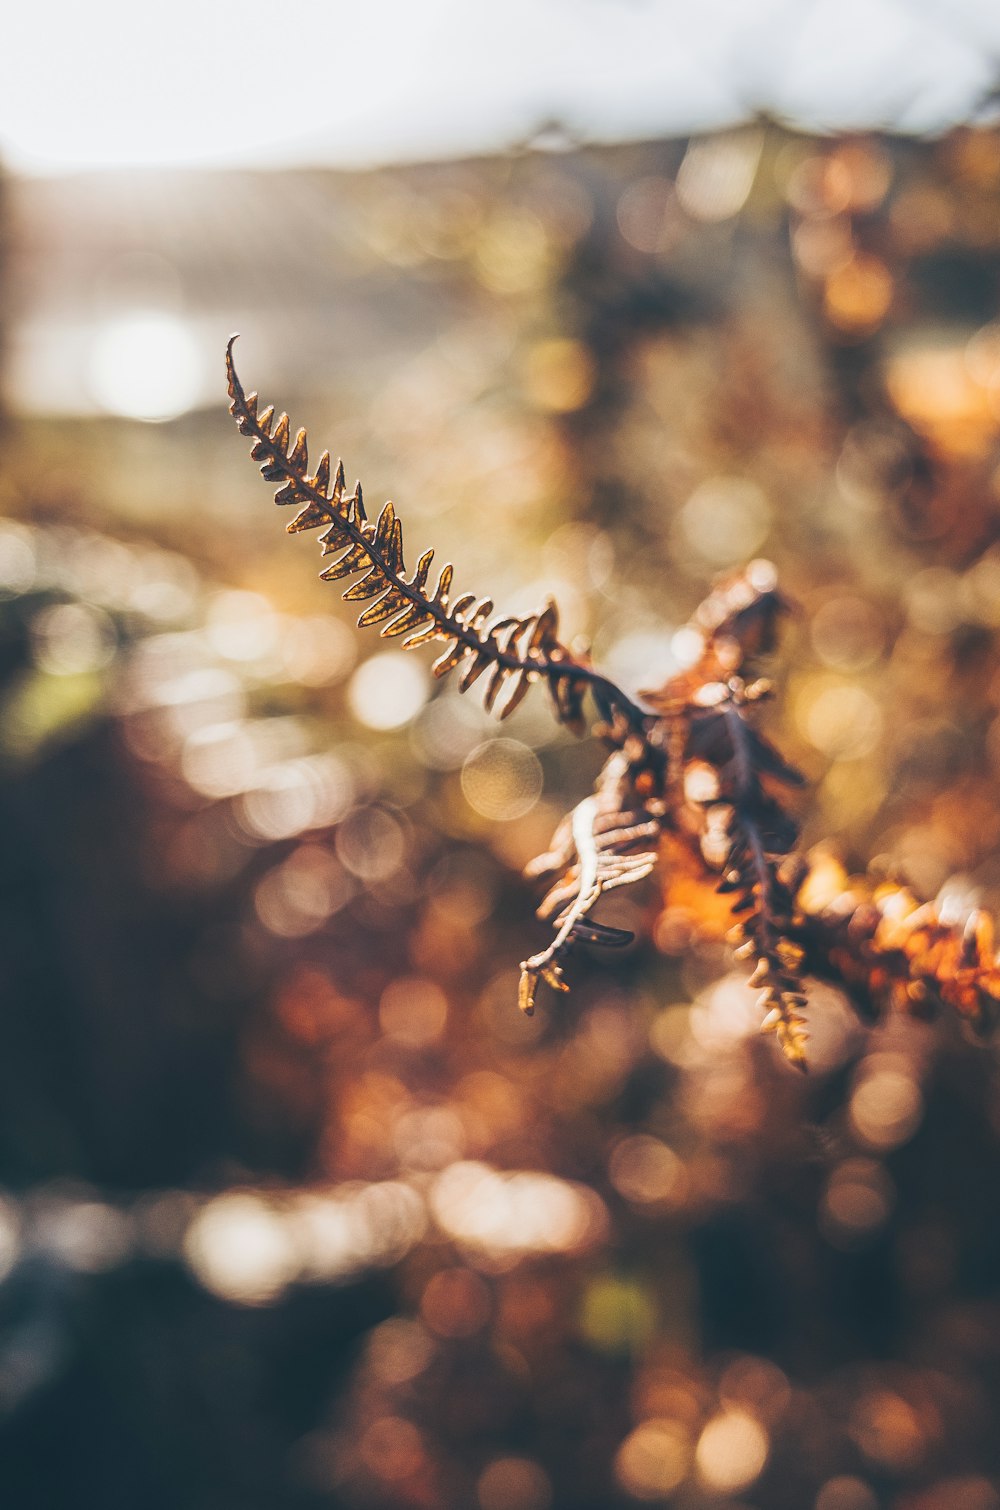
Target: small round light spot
[654,1459]
[387,690]
[502,780]
[145,365]
[514,1484]
[732,1451]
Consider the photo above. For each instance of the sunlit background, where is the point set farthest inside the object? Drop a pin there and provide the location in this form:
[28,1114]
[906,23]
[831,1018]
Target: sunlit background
[296,1209]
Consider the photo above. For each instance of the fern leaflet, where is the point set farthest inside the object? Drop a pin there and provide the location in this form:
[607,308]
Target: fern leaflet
[513,651]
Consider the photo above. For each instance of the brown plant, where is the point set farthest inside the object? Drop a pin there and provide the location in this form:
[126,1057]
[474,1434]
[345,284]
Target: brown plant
[688,772]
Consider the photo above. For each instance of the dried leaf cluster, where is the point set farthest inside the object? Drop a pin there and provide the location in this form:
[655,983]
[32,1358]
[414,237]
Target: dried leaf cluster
[688,770]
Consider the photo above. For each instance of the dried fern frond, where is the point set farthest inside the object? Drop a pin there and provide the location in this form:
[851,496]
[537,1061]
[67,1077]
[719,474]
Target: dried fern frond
[702,772]
[723,769]
[689,776]
[512,652]
[596,849]
[758,835]
[736,623]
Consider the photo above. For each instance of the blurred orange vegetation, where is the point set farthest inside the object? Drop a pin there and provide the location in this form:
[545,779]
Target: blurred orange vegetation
[616,1254]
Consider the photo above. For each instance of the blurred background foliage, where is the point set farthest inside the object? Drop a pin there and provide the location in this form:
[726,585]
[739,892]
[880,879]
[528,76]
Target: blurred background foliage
[298,1210]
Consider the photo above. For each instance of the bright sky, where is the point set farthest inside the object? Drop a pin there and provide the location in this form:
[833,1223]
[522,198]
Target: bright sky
[115,83]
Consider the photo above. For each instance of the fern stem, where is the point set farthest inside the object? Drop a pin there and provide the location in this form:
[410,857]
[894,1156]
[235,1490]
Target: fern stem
[747,790]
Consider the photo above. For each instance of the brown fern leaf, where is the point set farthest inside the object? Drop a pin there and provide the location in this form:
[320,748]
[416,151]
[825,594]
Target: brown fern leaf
[763,934]
[755,835]
[596,849]
[511,652]
[721,768]
[702,770]
[703,773]
[736,623]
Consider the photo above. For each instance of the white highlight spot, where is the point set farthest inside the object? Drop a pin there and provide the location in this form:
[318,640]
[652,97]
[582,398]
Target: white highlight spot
[388,690]
[240,1248]
[145,365]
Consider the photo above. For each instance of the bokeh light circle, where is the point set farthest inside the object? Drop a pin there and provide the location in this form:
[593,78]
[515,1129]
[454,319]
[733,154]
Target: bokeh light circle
[502,780]
[387,690]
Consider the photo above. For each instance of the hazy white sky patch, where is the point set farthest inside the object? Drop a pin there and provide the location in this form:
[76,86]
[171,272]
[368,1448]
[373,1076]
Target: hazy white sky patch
[114,84]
